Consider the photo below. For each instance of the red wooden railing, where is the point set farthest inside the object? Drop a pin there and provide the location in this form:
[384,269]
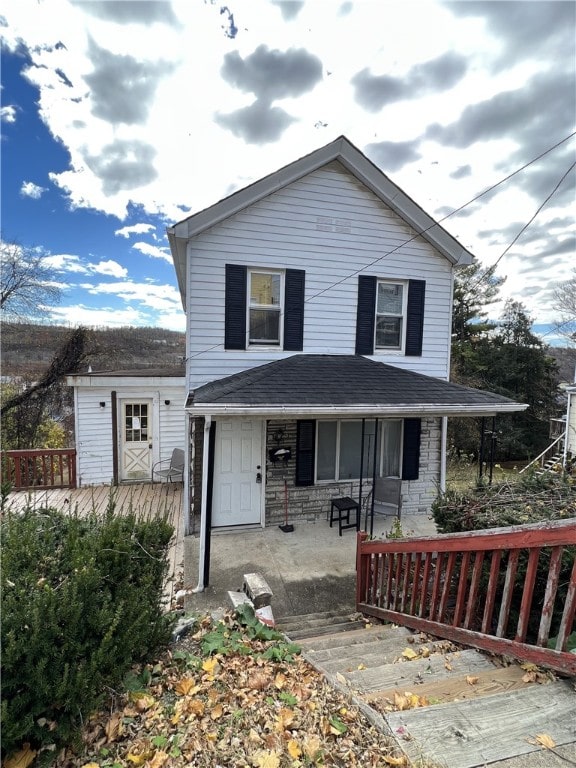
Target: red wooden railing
[39,468]
[495,589]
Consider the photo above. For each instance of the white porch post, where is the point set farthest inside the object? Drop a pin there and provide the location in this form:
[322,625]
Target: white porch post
[203,509]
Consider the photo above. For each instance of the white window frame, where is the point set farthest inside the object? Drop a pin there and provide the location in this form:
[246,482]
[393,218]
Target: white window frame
[339,422]
[265,307]
[402,316]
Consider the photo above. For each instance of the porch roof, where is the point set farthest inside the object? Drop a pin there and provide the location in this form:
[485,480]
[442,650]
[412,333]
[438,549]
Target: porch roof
[317,385]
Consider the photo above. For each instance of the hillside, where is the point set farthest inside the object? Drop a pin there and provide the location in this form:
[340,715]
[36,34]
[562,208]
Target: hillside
[27,349]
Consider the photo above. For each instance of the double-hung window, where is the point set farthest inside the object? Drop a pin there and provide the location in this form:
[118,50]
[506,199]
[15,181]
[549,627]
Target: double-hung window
[265,291]
[339,453]
[390,313]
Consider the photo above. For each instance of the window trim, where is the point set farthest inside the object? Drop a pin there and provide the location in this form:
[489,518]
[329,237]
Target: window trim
[403,316]
[339,422]
[249,306]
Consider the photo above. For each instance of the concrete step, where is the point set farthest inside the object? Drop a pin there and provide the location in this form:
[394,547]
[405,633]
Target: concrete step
[315,624]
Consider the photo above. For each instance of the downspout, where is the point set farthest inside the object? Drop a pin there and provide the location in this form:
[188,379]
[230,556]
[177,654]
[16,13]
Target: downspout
[443,446]
[203,507]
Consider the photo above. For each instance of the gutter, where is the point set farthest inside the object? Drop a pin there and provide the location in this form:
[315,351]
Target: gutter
[205,409]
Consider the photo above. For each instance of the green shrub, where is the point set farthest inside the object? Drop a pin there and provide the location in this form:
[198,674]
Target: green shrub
[82,600]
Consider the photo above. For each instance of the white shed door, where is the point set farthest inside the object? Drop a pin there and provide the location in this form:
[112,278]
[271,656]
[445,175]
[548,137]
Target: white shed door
[237,488]
[136,440]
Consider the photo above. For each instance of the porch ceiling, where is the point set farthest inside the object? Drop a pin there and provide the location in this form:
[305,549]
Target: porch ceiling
[317,385]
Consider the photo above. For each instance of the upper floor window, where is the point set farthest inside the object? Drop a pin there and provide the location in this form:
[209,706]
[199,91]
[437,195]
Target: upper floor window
[264,307]
[390,314]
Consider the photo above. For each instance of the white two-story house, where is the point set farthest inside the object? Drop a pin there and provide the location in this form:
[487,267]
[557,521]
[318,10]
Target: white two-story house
[318,304]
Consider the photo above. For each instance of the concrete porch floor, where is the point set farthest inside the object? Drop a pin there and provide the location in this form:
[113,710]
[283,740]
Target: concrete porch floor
[309,570]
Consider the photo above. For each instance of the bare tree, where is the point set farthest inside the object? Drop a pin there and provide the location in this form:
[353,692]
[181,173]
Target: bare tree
[27,283]
[564,302]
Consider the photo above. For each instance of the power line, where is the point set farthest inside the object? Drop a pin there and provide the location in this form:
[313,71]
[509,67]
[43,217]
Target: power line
[436,223]
[523,229]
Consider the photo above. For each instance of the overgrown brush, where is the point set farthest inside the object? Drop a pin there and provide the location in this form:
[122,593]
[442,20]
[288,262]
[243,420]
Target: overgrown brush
[82,600]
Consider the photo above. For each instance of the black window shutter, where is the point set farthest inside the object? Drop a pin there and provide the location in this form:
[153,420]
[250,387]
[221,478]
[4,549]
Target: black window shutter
[415,317]
[365,315]
[235,307]
[305,440]
[294,310]
[411,449]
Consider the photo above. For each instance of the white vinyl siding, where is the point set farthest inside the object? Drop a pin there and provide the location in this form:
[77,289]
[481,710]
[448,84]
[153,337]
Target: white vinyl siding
[334,228]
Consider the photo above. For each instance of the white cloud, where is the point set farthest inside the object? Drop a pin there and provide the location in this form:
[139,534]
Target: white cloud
[109,267]
[66,262]
[158,297]
[29,189]
[135,229]
[98,318]
[8,114]
[153,251]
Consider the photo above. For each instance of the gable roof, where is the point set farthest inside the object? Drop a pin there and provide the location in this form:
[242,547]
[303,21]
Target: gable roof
[342,150]
[342,384]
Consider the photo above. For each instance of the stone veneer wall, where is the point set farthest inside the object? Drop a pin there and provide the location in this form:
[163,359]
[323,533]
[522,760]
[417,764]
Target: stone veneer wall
[313,502]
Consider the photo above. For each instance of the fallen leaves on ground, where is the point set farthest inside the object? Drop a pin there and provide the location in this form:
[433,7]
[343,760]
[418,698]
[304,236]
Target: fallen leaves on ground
[232,709]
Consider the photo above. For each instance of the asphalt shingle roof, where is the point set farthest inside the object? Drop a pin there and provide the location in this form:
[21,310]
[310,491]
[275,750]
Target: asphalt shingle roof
[341,381]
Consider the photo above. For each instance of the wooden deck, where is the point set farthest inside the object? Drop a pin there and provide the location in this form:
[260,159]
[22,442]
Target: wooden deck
[146,499]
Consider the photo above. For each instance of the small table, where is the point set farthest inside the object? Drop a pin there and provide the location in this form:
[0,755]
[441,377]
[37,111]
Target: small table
[340,509]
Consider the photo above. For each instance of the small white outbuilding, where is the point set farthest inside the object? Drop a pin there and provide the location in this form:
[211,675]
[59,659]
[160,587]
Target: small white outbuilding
[125,422]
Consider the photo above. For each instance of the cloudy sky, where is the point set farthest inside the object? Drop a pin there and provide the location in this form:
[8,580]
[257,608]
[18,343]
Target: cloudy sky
[120,117]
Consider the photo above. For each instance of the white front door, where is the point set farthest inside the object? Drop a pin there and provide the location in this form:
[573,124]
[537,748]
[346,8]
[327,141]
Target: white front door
[136,440]
[238,473]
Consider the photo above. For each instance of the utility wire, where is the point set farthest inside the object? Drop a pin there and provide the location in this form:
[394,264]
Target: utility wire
[522,230]
[436,223]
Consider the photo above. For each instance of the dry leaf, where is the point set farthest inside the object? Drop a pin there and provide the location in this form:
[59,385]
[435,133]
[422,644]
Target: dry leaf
[136,759]
[448,666]
[529,667]
[284,719]
[361,667]
[158,760]
[341,679]
[20,759]
[113,727]
[280,680]
[216,712]
[311,746]
[210,665]
[425,652]
[389,760]
[294,750]
[544,741]
[264,759]
[196,707]
[409,654]
[471,680]
[401,702]
[185,686]
[529,677]
[142,701]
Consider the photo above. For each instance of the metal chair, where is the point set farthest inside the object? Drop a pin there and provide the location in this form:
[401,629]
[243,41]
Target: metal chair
[387,496]
[174,472]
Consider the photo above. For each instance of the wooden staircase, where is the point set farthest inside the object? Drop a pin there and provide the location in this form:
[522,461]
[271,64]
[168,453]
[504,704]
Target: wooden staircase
[446,705]
[554,464]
